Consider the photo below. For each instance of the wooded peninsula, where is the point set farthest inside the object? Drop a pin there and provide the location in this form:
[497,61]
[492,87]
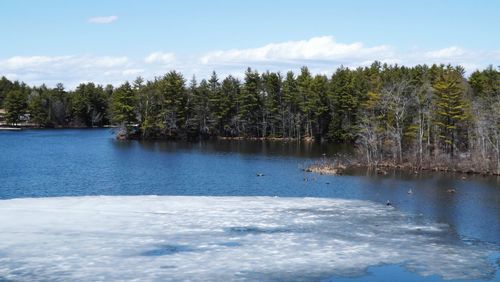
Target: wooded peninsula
[422,116]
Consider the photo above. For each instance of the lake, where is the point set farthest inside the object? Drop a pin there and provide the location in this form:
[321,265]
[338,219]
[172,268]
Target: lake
[79,205]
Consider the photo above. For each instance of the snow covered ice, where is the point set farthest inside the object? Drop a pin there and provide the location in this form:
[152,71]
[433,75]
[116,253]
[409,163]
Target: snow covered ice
[223,238]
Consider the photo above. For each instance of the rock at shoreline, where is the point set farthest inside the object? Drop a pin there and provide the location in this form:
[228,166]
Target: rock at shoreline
[121,136]
[328,169]
[382,172]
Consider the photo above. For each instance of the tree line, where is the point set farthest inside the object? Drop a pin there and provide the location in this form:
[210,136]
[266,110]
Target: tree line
[419,115]
[86,106]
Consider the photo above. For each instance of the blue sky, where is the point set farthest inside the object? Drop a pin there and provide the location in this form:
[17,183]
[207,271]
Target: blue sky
[115,40]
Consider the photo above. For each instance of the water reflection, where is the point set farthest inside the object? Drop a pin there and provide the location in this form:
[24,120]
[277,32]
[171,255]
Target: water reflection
[249,147]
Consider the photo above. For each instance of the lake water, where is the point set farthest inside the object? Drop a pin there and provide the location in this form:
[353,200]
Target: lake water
[214,219]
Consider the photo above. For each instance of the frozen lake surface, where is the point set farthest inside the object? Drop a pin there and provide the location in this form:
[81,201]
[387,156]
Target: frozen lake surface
[224,238]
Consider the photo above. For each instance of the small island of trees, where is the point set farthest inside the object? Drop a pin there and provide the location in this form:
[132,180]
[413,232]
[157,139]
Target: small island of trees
[422,116]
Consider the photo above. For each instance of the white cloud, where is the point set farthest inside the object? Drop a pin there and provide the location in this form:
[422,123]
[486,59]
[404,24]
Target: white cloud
[324,54]
[160,57]
[106,62]
[446,53]
[323,48]
[321,54]
[36,62]
[20,62]
[70,70]
[132,72]
[102,20]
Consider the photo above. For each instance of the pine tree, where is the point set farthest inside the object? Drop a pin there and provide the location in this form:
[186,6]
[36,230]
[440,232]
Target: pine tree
[290,108]
[15,106]
[343,106]
[215,104]
[272,85]
[451,107]
[202,109]
[172,87]
[250,104]
[486,83]
[230,90]
[39,107]
[307,100]
[123,104]
[90,105]
[5,87]
[149,109]
[189,120]
[319,105]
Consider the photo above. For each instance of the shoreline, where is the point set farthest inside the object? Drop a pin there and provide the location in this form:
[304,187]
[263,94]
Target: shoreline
[22,127]
[323,167]
[281,139]
[339,168]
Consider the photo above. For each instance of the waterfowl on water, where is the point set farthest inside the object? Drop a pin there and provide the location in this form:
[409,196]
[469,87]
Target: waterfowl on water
[410,191]
[452,190]
[260,174]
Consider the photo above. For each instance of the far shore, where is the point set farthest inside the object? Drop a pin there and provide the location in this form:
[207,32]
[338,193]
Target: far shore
[6,127]
[284,139]
[329,167]
[324,166]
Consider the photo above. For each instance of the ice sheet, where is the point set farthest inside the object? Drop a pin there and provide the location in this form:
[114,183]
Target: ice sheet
[223,238]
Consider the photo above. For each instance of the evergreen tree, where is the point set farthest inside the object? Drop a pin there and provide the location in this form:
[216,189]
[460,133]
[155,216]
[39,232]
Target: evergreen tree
[290,108]
[149,109]
[203,109]
[249,103]
[486,83]
[90,105]
[39,107]
[190,123]
[273,99]
[60,106]
[5,87]
[307,99]
[15,106]
[230,90]
[172,87]
[319,105]
[123,104]
[343,106]
[215,104]
[451,107]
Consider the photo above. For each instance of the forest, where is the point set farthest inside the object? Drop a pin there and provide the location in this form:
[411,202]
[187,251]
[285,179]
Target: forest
[426,116]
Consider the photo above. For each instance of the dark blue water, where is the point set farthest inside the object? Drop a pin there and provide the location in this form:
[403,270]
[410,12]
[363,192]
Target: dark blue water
[45,163]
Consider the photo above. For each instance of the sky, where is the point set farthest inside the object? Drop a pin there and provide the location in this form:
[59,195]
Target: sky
[111,41]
